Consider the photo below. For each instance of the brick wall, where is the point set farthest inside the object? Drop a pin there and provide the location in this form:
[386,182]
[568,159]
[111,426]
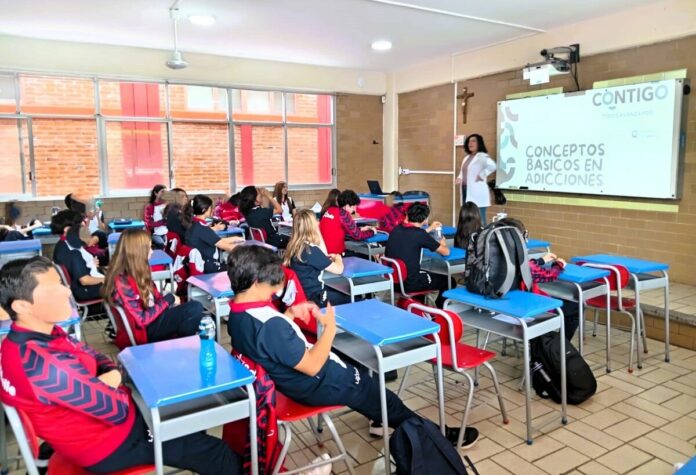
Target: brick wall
[426,133]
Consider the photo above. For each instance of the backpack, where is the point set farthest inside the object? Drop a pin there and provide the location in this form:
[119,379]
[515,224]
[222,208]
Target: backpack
[546,370]
[496,261]
[418,447]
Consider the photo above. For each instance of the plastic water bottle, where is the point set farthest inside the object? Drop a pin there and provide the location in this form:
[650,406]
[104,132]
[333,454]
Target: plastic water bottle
[437,233]
[208,360]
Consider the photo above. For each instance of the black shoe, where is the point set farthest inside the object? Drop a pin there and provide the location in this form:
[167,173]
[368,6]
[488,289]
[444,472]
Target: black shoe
[470,436]
[391,376]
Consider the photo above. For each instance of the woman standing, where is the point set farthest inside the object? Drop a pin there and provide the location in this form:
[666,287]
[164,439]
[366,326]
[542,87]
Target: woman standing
[476,167]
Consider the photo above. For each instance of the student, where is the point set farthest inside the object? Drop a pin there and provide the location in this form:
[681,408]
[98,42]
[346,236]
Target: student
[70,252]
[95,232]
[330,201]
[229,210]
[396,213]
[128,284]
[154,217]
[102,430]
[258,216]
[407,241]
[469,223]
[173,211]
[11,230]
[546,269]
[309,374]
[280,193]
[337,222]
[306,255]
[201,236]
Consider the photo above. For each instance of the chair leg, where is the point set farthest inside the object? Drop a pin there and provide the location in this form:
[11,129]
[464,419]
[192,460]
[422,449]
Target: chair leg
[496,385]
[642,330]
[633,335]
[284,450]
[465,416]
[78,331]
[403,381]
[339,443]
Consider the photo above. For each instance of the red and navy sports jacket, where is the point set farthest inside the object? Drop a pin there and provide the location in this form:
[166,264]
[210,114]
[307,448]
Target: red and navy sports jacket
[335,225]
[53,379]
[149,216]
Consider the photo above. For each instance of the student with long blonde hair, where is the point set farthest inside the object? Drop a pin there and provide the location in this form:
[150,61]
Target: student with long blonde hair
[151,315]
[306,255]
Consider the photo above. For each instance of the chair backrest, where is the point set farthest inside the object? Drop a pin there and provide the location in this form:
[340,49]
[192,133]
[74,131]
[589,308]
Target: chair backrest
[120,319]
[26,437]
[63,273]
[618,275]
[399,268]
[451,326]
[258,234]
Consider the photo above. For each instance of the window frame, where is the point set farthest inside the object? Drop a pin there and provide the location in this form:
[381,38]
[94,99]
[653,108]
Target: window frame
[29,182]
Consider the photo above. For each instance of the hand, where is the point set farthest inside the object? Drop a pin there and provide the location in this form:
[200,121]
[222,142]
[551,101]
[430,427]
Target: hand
[177,299]
[112,378]
[337,258]
[96,261]
[548,257]
[479,179]
[234,222]
[219,227]
[434,225]
[327,319]
[560,261]
[302,311]
[235,240]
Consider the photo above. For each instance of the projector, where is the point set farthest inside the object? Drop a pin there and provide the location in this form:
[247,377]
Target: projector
[539,73]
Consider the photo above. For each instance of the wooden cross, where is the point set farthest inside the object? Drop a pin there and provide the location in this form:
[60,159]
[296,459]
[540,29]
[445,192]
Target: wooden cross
[465,95]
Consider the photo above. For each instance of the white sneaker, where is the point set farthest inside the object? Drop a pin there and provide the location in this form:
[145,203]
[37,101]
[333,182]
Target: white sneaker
[376,429]
[320,470]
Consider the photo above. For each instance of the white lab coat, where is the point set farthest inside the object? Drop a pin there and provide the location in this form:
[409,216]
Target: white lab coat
[481,166]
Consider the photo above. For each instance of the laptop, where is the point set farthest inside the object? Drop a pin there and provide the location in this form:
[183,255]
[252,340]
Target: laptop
[374,187]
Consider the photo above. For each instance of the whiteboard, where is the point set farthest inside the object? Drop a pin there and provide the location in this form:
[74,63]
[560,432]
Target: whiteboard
[619,141]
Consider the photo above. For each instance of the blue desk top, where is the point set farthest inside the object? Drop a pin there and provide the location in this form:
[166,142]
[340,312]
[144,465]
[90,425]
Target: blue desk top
[169,371]
[456,254]
[135,224]
[231,231]
[580,274]
[160,258]
[537,243]
[45,231]
[635,266]
[449,231]
[113,238]
[26,245]
[405,199]
[354,267]
[378,237]
[254,242]
[689,468]
[382,324]
[216,285]
[515,303]
[365,221]
[6,324]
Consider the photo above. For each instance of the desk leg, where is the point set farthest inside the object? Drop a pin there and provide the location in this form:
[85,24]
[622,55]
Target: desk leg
[383,404]
[391,290]
[639,360]
[352,290]
[440,386]
[564,385]
[216,302]
[527,383]
[171,278]
[252,430]
[157,441]
[666,293]
[581,321]
[3,441]
[606,282]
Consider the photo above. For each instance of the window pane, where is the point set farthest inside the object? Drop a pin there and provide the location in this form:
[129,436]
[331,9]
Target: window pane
[10,161]
[260,106]
[8,103]
[259,153]
[309,108]
[201,156]
[136,155]
[197,102]
[309,155]
[132,99]
[65,156]
[56,95]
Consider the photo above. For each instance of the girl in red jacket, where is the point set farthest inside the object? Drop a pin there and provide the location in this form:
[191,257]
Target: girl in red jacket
[151,315]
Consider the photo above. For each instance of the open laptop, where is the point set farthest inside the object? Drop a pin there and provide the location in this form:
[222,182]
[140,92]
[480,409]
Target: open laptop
[374,187]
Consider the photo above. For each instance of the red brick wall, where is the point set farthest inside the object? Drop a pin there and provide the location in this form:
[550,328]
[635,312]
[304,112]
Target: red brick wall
[200,154]
[10,166]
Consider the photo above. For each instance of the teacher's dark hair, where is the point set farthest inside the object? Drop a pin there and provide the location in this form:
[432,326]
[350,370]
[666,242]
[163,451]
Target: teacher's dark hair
[479,140]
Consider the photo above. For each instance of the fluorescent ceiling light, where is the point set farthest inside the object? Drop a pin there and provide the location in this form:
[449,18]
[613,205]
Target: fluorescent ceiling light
[202,20]
[381,45]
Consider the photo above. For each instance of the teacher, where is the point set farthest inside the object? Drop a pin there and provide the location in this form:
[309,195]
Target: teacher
[476,167]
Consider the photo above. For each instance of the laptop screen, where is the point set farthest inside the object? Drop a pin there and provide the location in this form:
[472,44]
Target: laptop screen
[374,187]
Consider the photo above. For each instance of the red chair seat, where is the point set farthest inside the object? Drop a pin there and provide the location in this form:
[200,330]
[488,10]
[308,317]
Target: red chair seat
[468,356]
[90,302]
[288,410]
[58,465]
[158,268]
[601,302]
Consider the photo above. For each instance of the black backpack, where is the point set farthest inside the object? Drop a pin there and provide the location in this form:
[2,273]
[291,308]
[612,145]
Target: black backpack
[546,370]
[418,447]
[496,261]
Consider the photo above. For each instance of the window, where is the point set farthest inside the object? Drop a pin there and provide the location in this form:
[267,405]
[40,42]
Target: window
[136,155]
[101,136]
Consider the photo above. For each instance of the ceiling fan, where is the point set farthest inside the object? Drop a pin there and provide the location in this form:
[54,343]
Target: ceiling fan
[176,61]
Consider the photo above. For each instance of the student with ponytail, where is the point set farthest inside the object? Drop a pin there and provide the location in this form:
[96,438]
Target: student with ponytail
[154,217]
[151,315]
[201,236]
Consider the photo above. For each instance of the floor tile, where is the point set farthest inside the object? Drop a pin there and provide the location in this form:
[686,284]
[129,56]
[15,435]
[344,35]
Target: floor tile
[561,461]
[624,458]
[594,468]
[628,429]
[654,467]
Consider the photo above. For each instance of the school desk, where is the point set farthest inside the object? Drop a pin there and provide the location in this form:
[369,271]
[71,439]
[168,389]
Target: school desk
[360,277]
[454,263]
[176,397]
[212,289]
[519,316]
[11,250]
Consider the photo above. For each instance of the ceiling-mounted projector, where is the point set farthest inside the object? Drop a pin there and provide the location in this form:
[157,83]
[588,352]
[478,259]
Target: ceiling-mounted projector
[176,61]
[539,73]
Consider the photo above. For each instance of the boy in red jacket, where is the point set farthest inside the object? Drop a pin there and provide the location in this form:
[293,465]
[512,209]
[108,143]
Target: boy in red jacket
[73,395]
[337,222]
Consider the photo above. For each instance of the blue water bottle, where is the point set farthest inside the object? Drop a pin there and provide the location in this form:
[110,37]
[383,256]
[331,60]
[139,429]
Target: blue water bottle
[208,360]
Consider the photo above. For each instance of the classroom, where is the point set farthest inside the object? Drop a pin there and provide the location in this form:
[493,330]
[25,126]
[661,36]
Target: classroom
[348,236]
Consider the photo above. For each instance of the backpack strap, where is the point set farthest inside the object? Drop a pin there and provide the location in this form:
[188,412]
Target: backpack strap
[510,271]
[416,448]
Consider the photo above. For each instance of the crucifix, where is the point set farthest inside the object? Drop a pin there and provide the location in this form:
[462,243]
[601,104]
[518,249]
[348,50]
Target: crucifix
[464,96]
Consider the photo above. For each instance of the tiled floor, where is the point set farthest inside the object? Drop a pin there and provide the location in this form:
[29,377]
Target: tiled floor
[682,301]
[639,423]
